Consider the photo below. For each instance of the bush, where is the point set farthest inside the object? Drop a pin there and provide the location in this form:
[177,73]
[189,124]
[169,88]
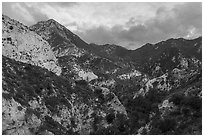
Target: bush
[110,97]
[176,99]
[98,91]
[110,118]
[193,102]
[11,27]
[167,125]
[81,82]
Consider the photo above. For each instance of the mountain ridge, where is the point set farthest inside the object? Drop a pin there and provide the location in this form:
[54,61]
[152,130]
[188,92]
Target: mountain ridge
[101,90]
[54,21]
[120,55]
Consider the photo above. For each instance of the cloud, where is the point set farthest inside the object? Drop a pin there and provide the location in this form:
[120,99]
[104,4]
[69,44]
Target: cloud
[98,35]
[61,4]
[189,14]
[183,20]
[128,24]
[23,12]
[31,12]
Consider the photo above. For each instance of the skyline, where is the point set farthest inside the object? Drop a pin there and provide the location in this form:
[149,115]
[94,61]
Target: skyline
[130,25]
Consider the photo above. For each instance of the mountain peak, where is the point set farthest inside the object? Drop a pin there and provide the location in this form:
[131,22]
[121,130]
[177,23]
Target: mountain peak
[21,44]
[51,23]
[51,20]
[57,34]
[104,89]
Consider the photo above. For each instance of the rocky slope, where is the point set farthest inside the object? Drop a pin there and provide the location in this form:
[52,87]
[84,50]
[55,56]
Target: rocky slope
[168,104]
[62,41]
[21,44]
[102,89]
[178,53]
[36,101]
[75,56]
[152,58]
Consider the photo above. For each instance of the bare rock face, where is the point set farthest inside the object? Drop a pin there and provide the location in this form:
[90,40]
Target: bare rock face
[21,44]
[16,119]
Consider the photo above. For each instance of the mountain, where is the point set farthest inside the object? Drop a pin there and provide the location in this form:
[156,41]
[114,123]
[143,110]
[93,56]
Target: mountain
[101,89]
[151,58]
[59,37]
[36,101]
[177,52]
[76,56]
[114,53]
[21,44]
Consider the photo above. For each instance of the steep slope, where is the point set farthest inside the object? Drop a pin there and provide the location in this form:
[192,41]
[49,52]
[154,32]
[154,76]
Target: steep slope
[75,56]
[152,58]
[167,104]
[63,43]
[21,44]
[167,55]
[114,53]
[100,90]
[62,40]
[36,101]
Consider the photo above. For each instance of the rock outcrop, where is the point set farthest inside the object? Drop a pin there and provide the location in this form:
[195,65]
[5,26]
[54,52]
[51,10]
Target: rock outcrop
[21,44]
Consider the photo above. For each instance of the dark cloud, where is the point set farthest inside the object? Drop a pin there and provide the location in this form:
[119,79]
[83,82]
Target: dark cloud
[166,24]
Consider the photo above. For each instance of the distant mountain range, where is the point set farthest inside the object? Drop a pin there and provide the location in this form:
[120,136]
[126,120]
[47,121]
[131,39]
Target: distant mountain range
[53,82]
[145,59]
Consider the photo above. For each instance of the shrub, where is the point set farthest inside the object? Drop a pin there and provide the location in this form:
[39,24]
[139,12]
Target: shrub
[98,91]
[19,108]
[6,96]
[11,27]
[193,102]
[110,118]
[110,96]
[167,125]
[9,38]
[177,98]
[81,82]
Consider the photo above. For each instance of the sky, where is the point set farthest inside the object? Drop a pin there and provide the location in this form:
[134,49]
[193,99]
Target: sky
[130,24]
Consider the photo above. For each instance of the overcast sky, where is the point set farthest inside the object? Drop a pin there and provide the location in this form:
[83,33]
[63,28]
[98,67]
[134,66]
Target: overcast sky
[127,24]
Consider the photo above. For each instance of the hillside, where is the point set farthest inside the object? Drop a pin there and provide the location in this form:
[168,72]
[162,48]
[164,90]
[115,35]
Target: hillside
[21,44]
[53,82]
